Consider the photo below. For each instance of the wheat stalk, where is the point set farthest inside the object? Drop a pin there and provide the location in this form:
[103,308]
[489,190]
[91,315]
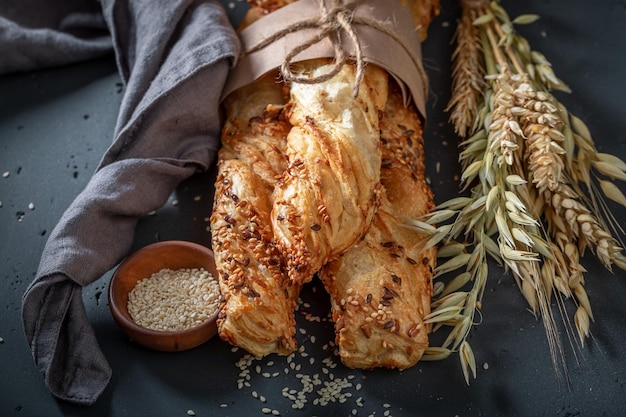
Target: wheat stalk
[536,187]
[467,75]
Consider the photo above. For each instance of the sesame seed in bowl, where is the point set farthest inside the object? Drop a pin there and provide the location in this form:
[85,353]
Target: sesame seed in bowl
[174,300]
[165,296]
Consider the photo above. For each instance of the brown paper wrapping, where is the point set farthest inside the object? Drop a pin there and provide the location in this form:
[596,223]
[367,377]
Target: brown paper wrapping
[378,48]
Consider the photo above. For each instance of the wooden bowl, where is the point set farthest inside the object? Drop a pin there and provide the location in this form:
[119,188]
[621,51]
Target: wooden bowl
[150,259]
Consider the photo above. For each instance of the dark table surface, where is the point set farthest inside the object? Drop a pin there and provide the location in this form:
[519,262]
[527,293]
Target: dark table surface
[56,124]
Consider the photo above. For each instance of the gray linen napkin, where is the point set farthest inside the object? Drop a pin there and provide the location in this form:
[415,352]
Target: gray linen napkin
[36,34]
[173,56]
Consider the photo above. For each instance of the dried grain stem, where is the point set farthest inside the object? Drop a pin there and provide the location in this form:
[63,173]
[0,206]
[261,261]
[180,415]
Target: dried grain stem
[467,75]
[524,163]
[495,47]
[509,51]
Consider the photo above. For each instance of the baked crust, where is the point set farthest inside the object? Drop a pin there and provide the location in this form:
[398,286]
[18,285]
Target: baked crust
[313,180]
[325,199]
[257,312]
[381,288]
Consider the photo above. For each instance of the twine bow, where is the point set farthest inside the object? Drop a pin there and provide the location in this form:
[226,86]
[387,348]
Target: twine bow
[336,19]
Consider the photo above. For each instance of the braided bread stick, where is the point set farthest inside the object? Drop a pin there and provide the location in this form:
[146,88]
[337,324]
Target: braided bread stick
[325,200]
[381,288]
[258,307]
[298,186]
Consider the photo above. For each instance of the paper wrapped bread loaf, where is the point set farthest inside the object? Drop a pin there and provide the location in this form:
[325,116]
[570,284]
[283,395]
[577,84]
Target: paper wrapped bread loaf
[312,179]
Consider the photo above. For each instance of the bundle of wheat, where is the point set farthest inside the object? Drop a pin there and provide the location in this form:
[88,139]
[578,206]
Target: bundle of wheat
[536,185]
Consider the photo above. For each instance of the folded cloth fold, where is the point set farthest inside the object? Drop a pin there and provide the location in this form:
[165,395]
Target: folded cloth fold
[36,34]
[173,56]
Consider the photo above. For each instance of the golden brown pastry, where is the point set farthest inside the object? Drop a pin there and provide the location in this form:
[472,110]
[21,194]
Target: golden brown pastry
[258,308]
[325,200]
[299,182]
[381,288]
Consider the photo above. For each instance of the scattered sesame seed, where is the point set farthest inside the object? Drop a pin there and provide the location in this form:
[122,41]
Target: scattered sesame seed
[191,413]
[311,388]
[175,202]
[197,198]
[485,366]
[31,206]
[6,174]
[223,405]
[1,340]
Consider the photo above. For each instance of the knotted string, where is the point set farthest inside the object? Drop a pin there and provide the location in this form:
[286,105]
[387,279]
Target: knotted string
[335,19]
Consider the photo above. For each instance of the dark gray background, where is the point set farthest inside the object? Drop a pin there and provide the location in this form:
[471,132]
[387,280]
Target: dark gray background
[56,124]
